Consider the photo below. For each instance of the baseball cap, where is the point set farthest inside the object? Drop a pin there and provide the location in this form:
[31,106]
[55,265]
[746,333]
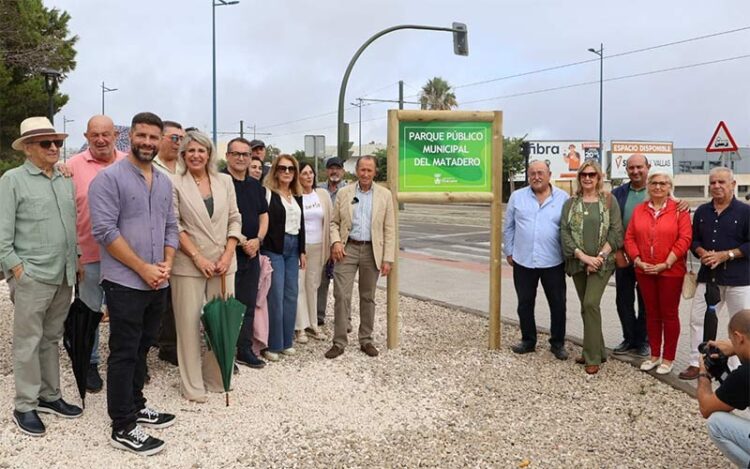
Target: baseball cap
[257,143]
[334,161]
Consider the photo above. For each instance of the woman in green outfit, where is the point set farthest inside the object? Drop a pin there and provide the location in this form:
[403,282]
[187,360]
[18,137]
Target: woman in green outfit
[591,230]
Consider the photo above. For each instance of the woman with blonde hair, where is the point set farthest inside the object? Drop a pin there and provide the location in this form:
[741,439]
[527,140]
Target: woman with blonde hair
[284,245]
[591,230]
[658,239]
[210,226]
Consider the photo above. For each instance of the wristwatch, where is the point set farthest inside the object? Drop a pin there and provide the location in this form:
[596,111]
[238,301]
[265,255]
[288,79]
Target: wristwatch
[730,253]
[703,374]
[602,255]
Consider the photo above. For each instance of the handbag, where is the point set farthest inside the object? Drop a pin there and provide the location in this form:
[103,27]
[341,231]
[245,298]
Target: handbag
[621,259]
[690,282]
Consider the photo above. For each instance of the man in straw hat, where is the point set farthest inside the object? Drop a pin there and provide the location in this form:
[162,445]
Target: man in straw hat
[38,253]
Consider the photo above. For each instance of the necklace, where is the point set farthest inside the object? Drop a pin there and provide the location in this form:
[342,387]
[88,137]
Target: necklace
[587,206]
[198,181]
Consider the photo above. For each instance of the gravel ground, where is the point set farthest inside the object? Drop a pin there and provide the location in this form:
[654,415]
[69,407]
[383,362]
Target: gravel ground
[441,400]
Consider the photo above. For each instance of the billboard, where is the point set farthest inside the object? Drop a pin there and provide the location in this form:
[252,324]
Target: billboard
[659,154]
[564,157]
[445,156]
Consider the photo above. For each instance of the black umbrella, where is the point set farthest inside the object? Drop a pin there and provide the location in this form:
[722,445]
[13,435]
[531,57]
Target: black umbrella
[80,326]
[711,320]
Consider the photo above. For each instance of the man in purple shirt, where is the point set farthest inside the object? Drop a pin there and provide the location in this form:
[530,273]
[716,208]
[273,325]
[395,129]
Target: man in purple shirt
[133,220]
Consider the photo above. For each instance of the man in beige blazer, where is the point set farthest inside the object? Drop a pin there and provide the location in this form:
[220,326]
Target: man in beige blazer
[362,240]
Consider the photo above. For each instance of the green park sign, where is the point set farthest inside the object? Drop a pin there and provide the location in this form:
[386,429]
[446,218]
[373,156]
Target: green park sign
[445,156]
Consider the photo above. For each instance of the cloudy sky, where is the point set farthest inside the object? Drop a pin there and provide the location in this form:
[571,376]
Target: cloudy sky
[280,63]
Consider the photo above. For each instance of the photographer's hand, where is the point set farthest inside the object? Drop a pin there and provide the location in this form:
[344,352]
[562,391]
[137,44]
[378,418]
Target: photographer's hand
[725,345]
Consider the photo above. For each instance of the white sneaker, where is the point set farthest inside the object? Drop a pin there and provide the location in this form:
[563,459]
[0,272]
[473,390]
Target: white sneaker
[288,351]
[664,369]
[301,337]
[271,356]
[649,365]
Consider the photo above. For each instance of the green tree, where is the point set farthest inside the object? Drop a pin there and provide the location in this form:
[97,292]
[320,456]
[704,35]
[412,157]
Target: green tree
[299,155]
[272,152]
[513,163]
[382,158]
[438,95]
[32,38]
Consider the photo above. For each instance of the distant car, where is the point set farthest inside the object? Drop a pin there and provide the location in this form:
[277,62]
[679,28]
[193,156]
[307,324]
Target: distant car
[721,143]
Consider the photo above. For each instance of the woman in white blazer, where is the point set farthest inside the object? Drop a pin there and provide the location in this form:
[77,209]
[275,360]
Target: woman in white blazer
[210,228]
[317,207]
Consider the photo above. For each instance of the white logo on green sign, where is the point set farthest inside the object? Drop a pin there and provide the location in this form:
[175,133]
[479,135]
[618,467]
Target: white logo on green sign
[445,157]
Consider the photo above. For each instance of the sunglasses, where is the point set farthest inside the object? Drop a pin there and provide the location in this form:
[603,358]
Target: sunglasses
[285,169]
[238,154]
[589,175]
[46,144]
[175,138]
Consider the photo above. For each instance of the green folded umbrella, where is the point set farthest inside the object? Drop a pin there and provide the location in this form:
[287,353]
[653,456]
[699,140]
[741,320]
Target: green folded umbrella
[222,320]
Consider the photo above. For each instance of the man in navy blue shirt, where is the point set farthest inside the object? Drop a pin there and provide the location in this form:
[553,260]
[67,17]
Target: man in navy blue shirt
[531,236]
[721,239]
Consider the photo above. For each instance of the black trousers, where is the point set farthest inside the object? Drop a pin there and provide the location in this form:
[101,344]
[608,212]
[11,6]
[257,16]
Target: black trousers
[526,282]
[134,317]
[633,327]
[167,331]
[246,291]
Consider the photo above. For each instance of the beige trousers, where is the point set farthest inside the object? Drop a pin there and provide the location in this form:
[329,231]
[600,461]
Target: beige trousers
[358,258]
[189,294]
[309,281]
[38,326]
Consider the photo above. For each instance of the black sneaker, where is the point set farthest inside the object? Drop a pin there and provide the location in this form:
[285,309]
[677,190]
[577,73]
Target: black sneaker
[249,359]
[621,349]
[642,351]
[29,423]
[94,382]
[59,408]
[150,418]
[136,441]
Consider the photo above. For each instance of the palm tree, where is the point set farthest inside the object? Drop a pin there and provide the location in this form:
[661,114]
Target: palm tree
[437,94]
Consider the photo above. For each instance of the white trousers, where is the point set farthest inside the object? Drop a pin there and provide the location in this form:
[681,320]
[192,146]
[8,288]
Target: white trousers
[734,298]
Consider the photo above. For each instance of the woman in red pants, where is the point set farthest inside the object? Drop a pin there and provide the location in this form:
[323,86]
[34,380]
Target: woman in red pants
[657,239]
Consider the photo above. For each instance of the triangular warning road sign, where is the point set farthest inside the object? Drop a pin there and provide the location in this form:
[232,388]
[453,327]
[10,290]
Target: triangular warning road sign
[722,140]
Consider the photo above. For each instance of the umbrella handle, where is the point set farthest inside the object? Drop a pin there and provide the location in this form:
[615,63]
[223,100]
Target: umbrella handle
[223,286]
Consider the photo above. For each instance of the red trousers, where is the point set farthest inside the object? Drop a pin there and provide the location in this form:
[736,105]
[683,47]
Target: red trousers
[661,295]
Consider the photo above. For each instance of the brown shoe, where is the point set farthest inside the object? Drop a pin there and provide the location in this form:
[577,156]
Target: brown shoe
[369,349]
[690,372]
[592,369]
[334,351]
[580,360]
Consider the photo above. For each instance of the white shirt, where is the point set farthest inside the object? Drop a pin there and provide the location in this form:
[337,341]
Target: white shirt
[313,218]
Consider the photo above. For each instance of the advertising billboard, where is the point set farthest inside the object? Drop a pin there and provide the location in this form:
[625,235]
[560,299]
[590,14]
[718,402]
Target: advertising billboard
[564,157]
[659,154]
[445,156]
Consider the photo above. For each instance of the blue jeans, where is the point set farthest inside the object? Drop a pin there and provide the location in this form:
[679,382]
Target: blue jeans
[92,295]
[731,434]
[282,296]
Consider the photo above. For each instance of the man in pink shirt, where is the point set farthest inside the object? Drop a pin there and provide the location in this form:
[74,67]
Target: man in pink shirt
[101,152]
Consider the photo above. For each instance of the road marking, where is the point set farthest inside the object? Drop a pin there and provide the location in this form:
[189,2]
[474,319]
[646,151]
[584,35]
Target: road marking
[449,235]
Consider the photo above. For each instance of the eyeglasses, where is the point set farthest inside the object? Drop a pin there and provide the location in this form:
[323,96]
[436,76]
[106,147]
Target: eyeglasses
[589,175]
[285,169]
[175,138]
[659,183]
[46,144]
[238,154]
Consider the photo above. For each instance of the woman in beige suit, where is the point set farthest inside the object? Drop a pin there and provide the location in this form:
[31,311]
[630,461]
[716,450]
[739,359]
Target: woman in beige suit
[317,207]
[210,227]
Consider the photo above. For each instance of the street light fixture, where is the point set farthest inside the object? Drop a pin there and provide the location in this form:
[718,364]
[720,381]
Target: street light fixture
[106,90]
[51,79]
[216,3]
[460,47]
[600,53]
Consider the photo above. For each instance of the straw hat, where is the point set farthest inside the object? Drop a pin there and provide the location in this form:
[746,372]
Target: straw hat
[36,127]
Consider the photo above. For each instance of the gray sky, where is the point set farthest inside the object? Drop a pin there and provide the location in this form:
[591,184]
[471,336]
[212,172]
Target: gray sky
[282,60]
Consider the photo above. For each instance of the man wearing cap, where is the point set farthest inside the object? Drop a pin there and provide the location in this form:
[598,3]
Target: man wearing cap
[101,152]
[38,254]
[335,172]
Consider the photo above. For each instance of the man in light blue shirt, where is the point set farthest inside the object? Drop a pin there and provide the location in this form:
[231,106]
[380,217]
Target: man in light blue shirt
[532,247]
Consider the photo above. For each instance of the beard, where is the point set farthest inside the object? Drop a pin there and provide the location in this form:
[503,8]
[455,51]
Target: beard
[145,158]
[335,178]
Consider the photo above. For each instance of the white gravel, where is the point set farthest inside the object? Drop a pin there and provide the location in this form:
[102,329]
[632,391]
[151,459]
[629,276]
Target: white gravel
[441,400]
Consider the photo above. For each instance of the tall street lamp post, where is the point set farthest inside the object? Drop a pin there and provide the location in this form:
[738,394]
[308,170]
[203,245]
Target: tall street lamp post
[65,142]
[51,79]
[216,3]
[460,47]
[600,53]
[104,91]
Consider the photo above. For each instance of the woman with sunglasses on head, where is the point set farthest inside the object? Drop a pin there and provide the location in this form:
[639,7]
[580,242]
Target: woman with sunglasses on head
[284,244]
[210,225]
[318,209]
[657,240]
[591,231]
